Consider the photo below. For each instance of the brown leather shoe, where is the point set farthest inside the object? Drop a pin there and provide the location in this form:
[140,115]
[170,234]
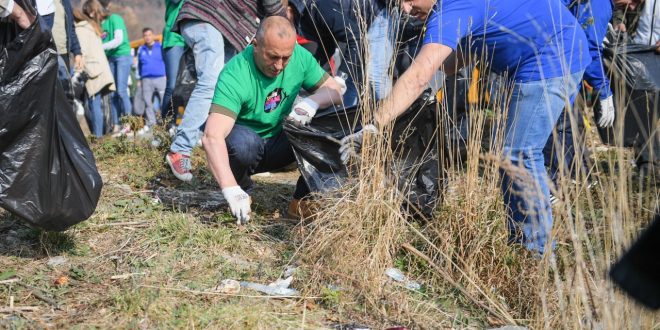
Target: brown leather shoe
[301,209]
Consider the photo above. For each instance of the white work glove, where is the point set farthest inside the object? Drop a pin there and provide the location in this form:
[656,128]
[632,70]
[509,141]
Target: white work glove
[606,113]
[303,112]
[342,84]
[352,144]
[239,203]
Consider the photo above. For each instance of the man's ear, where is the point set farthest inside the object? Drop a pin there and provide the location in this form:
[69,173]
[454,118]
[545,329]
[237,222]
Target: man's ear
[254,42]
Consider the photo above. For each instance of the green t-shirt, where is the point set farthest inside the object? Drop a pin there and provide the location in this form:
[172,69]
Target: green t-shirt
[259,102]
[172,39]
[109,25]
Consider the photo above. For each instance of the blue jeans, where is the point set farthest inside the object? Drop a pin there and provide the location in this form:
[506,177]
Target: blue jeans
[533,112]
[382,38]
[172,58]
[250,154]
[209,50]
[94,115]
[121,102]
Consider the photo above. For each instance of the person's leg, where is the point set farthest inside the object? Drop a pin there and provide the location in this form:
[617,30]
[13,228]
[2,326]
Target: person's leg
[115,103]
[560,152]
[121,81]
[246,150]
[172,57]
[95,115]
[148,89]
[208,47]
[277,154]
[533,112]
[64,77]
[382,38]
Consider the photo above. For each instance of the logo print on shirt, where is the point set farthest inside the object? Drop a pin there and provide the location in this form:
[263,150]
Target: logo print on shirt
[273,100]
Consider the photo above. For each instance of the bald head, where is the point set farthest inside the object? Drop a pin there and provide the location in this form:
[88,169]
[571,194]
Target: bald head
[277,27]
[273,45]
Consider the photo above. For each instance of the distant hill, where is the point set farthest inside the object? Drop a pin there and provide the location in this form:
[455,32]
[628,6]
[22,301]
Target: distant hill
[138,14]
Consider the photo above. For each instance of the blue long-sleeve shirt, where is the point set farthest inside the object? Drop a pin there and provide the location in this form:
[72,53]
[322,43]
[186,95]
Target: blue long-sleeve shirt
[593,16]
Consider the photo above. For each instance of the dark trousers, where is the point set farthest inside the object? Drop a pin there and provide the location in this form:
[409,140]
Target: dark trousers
[250,154]
[562,145]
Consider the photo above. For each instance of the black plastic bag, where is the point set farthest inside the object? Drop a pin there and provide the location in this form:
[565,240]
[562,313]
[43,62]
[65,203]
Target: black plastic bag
[416,152]
[635,72]
[638,271]
[186,80]
[48,175]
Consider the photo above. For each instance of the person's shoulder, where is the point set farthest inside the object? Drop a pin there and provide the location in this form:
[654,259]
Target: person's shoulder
[301,54]
[116,17]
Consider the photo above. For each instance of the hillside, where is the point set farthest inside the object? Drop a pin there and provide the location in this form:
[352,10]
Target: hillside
[138,14]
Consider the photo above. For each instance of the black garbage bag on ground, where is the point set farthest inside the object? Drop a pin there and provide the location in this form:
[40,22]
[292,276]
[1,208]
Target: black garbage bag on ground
[416,152]
[638,271]
[635,72]
[48,175]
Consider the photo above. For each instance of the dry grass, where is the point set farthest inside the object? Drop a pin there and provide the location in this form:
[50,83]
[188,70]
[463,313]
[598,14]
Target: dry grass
[471,277]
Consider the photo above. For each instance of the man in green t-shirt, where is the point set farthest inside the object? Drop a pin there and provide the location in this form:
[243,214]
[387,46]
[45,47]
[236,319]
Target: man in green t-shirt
[255,92]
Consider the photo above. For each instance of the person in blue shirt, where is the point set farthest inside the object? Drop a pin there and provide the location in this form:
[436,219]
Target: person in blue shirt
[541,51]
[151,69]
[593,16]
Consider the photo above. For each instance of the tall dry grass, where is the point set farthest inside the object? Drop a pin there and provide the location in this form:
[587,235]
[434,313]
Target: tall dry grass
[472,277]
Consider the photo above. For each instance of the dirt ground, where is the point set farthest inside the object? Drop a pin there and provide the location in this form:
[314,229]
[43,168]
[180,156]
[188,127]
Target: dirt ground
[140,263]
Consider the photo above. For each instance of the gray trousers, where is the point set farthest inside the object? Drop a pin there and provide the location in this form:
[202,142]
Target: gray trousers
[149,87]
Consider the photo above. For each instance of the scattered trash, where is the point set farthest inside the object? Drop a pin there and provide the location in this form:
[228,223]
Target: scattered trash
[228,286]
[334,287]
[282,283]
[289,271]
[125,276]
[264,174]
[277,288]
[61,281]
[156,142]
[56,261]
[398,276]
[350,326]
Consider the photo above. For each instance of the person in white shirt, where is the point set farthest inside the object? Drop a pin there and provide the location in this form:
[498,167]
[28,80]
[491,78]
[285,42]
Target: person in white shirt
[648,26]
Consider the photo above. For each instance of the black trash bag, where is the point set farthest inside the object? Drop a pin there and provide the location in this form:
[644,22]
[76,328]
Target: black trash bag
[635,72]
[186,80]
[638,271]
[416,152]
[48,175]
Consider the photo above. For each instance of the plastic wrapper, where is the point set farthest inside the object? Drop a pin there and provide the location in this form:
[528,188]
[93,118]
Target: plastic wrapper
[416,167]
[48,175]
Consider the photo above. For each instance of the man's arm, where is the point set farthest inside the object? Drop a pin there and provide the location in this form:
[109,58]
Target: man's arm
[329,93]
[217,129]
[413,82]
[19,15]
[116,41]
